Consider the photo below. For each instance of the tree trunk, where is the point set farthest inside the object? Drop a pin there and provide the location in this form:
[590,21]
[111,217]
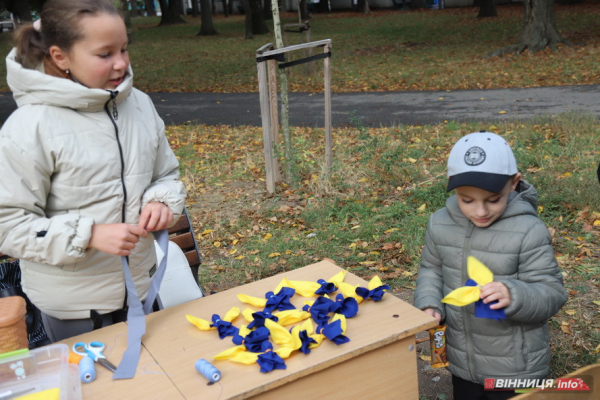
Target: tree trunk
[206,26]
[540,26]
[259,25]
[248,13]
[285,104]
[20,9]
[150,8]
[213,6]
[170,13]
[127,19]
[303,10]
[268,14]
[487,9]
[363,6]
[134,11]
[195,8]
[539,30]
[226,7]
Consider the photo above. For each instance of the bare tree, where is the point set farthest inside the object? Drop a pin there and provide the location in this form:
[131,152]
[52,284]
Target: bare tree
[539,29]
[206,26]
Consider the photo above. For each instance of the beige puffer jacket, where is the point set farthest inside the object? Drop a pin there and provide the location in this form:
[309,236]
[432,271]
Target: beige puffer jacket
[68,163]
[517,249]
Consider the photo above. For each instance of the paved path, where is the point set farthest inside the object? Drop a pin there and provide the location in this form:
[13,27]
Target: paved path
[376,109]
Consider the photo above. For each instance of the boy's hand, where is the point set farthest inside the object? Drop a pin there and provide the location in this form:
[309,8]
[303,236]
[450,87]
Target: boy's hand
[434,314]
[155,217]
[496,291]
[116,239]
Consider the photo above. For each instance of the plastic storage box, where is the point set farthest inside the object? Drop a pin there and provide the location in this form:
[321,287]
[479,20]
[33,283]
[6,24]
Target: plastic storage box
[27,372]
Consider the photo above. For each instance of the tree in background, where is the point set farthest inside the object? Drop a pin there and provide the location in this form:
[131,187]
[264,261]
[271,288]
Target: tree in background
[206,25]
[20,9]
[363,6]
[170,13]
[195,8]
[304,15]
[487,9]
[150,8]
[268,15]
[248,21]
[539,29]
[259,26]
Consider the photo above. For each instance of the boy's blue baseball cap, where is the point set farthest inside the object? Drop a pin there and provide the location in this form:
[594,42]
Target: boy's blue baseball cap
[481,159]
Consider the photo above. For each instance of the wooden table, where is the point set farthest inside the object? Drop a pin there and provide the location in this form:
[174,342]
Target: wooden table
[379,362]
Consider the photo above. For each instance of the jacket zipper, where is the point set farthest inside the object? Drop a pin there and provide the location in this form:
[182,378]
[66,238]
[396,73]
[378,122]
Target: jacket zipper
[113,117]
[465,315]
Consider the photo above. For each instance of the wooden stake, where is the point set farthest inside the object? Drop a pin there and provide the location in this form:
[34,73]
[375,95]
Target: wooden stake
[328,136]
[274,112]
[266,123]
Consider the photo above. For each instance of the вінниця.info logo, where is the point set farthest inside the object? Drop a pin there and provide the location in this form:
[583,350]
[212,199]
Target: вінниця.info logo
[578,384]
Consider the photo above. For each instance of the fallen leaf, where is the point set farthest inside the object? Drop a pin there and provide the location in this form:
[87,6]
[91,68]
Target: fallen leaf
[570,312]
[422,207]
[566,328]
[274,255]
[425,358]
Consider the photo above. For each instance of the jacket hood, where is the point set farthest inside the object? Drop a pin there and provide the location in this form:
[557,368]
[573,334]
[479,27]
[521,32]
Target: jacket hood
[520,202]
[32,86]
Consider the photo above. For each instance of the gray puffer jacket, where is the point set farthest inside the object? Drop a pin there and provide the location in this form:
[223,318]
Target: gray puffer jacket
[69,161]
[517,249]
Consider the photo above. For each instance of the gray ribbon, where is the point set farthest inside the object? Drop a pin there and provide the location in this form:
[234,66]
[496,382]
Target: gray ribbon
[136,314]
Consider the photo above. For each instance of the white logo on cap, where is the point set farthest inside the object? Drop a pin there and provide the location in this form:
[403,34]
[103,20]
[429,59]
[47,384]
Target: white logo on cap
[474,156]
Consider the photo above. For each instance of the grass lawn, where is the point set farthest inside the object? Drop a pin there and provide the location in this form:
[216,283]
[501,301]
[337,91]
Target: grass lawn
[385,50]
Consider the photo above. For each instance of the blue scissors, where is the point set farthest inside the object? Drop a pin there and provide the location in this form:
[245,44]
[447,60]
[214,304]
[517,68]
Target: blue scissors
[94,350]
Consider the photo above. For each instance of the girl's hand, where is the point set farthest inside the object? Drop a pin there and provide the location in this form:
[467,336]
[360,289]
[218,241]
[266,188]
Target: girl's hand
[434,314]
[496,291]
[115,239]
[155,217]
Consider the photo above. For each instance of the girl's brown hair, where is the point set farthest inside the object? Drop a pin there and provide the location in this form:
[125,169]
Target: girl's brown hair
[60,27]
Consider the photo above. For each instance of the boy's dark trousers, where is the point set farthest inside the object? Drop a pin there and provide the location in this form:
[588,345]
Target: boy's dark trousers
[467,390]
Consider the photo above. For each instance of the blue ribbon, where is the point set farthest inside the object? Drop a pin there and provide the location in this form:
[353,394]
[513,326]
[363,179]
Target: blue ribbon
[136,314]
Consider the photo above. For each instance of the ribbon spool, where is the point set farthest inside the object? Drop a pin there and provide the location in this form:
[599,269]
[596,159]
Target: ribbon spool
[207,370]
[87,370]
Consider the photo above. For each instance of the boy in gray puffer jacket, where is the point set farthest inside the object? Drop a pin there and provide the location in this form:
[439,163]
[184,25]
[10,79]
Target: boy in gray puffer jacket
[492,216]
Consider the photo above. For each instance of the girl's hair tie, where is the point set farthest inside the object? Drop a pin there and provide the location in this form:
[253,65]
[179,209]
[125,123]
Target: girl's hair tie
[37,25]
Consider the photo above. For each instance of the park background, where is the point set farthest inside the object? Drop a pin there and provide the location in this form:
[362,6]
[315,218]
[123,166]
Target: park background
[369,212]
